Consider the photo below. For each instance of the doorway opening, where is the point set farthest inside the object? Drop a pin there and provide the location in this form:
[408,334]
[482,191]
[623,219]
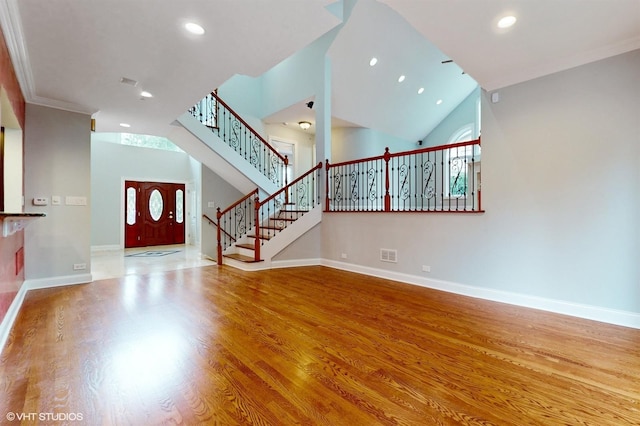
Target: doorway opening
[154,213]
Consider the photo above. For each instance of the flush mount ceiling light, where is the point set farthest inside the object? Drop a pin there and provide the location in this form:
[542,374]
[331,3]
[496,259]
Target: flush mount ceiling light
[373,61]
[304,125]
[127,125]
[507,21]
[420,90]
[401,79]
[439,102]
[194,28]
[146,94]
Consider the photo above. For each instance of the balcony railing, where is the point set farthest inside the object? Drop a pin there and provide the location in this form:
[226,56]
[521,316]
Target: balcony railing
[444,178]
[214,113]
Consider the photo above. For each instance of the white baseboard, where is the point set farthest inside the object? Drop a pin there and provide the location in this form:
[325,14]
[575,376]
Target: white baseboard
[11,315]
[106,248]
[596,313]
[59,281]
[293,263]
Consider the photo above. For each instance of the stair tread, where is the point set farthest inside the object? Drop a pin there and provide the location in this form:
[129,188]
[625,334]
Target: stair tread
[242,258]
[262,237]
[246,246]
[277,228]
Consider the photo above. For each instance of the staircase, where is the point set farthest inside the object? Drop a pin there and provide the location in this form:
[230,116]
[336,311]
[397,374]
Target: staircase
[257,227]
[244,251]
[252,231]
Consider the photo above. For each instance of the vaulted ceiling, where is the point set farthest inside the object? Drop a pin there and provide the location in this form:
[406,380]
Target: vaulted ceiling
[72,54]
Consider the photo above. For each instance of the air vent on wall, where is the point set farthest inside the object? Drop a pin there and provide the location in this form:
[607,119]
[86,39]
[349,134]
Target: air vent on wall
[388,255]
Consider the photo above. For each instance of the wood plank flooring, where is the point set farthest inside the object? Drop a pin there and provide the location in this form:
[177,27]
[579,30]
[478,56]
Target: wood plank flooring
[308,346]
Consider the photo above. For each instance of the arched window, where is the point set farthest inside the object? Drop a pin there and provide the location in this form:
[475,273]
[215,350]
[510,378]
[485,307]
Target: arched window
[457,160]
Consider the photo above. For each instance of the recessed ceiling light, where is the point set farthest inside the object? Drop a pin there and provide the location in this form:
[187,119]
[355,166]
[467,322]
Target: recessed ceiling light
[401,79]
[194,28]
[507,21]
[439,101]
[146,94]
[373,61]
[420,90]
[127,125]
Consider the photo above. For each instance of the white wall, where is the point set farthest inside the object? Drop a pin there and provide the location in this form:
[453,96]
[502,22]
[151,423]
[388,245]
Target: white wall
[13,170]
[561,189]
[57,160]
[111,165]
[463,114]
[351,143]
[302,141]
[221,194]
[305,250]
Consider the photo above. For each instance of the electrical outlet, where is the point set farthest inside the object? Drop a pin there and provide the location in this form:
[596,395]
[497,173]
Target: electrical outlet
[79,266]
[343,256]
[426,268]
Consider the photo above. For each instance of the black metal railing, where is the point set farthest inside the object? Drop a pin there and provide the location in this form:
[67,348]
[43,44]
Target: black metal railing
[444,178]
[214,113]
[235,221]
[280,209]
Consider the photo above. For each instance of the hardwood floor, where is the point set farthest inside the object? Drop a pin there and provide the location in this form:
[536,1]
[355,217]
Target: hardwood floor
[312,345]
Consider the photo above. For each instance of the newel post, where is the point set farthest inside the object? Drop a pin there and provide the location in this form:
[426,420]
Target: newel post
[326,188]
[387,197]
[218,233]
[257,242]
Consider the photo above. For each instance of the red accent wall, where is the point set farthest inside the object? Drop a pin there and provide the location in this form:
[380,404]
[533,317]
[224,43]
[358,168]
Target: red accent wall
[11,247]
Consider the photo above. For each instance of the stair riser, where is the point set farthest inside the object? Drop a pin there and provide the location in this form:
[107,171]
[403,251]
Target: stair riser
[245,252]
[289,215]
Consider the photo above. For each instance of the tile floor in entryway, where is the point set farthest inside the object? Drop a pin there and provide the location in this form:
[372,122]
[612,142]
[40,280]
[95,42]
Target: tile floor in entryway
[119,263]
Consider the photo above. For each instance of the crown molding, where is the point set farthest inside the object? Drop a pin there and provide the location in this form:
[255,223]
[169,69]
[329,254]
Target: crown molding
[11,25]
[14,38]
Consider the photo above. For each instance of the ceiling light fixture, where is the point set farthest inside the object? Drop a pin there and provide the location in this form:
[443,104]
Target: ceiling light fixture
[507,21]
[439,102]
[420,90]
[194,28]
[304,125]
[127,125]
[401,79]
[373,61]
[146,94]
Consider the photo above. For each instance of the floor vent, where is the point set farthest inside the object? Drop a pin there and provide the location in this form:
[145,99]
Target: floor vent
[389,255]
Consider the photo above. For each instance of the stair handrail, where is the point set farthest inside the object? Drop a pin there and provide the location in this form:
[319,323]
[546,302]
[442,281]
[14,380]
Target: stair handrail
[214,223]
[270,170]
[221,213]
[251,129]
[382,170]
[296,180]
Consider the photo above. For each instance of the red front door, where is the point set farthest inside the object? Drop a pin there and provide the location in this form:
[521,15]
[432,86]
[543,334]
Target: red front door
[154,214]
